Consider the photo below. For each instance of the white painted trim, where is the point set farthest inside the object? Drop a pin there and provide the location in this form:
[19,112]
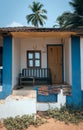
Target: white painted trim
[1,67]
[64,59]
[16,68]
[67,61]
[70,63]
[61,100]
[1,88]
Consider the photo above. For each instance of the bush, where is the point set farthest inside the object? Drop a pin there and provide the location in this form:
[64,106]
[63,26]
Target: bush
[20,123]
[67,114]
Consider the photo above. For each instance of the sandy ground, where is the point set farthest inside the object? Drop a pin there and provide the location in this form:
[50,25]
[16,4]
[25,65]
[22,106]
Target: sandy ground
[54,125]
[57,125]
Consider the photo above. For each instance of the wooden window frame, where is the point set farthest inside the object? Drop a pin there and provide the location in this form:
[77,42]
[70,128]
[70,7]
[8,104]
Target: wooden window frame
[33,59]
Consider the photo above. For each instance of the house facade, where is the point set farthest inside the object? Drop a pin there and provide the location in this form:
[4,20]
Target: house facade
[61,50]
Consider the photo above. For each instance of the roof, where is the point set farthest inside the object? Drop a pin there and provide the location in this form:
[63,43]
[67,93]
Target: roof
[34,29]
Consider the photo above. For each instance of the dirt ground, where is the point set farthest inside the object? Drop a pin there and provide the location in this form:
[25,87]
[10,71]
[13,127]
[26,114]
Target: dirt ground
[54,125]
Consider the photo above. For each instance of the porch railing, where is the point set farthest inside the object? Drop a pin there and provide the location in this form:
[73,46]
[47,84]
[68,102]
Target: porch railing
[1,69]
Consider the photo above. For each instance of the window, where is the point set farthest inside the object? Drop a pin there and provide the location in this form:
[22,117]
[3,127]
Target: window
[33,59]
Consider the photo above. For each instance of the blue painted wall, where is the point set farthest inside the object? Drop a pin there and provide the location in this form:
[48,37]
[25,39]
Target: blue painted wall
[76,97]
[7,67]
[45,98]
[82,98]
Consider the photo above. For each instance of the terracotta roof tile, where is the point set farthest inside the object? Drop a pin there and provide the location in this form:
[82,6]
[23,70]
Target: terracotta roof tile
[34,29]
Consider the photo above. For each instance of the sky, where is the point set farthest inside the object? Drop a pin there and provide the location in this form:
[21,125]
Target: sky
[13,12]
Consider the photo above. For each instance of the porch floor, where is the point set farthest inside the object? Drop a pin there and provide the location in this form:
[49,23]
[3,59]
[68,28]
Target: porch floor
[28,90]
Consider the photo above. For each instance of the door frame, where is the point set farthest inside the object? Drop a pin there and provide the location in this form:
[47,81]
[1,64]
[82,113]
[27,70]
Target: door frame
[62,57]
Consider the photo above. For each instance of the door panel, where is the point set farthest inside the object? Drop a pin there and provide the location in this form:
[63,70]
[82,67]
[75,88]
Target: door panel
[55,63]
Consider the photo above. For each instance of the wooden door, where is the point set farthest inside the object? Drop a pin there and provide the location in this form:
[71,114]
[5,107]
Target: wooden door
[55,63]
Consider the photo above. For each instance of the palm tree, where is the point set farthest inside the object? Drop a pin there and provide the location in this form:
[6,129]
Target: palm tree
[77,6]
[72,19]
[62,20]
[38,16]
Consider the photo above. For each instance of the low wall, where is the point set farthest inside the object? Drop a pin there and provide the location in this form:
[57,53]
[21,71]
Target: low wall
[61,101]
[24,102]
[17,105]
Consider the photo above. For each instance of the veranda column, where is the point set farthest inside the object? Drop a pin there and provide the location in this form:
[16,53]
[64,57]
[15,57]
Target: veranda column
[76,98]
[7,66]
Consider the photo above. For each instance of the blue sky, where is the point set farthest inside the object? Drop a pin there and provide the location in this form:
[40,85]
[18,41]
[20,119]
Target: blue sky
[13,12]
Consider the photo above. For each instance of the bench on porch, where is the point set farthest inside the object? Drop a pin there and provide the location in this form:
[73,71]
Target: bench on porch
[35,76]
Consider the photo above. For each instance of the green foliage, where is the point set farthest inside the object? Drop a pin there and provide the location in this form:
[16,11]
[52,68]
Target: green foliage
[72,19]
[38,15]
[20,123]
[77,6]
[67,114]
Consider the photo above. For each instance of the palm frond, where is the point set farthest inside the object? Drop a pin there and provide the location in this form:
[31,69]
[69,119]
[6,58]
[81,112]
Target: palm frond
[29,18]
[38,16]
[72,19]
[44,17]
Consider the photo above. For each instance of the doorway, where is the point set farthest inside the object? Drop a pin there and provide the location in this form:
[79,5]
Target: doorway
[55,62]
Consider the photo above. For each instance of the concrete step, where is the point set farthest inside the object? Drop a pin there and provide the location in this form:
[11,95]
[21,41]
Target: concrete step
[25,93]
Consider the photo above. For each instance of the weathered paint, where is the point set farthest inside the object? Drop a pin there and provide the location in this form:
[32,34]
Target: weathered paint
[81,54]
[16,64]
[20,47]
[0,88]
[61,100]
[67,61]
[17,105]
[7,67]
[76,97]
[46,98]
[82,98]
[36,44]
